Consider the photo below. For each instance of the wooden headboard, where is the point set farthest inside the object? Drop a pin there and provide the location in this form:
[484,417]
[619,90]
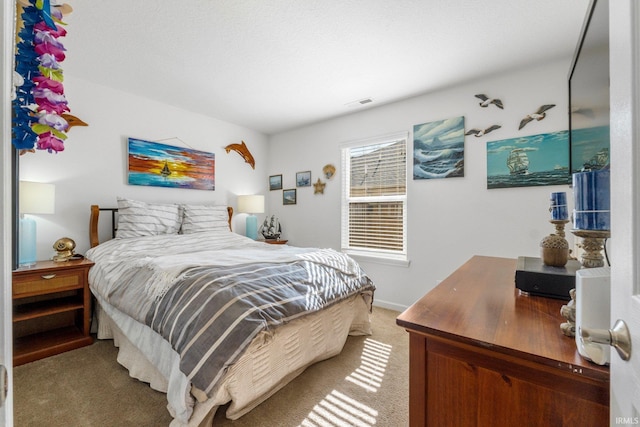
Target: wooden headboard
[94,239]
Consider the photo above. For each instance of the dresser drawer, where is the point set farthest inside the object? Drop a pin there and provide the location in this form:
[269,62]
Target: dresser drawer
[48,281]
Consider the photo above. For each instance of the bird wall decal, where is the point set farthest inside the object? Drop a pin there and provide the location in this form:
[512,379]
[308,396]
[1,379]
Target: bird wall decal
[538,115]
[243,151]
[587,112]
[481,132]
[486,101]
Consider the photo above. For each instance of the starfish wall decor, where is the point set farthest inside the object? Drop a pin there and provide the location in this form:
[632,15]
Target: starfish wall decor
[318,187]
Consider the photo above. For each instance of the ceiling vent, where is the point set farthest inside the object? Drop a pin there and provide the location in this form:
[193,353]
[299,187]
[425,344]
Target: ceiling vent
[359,102]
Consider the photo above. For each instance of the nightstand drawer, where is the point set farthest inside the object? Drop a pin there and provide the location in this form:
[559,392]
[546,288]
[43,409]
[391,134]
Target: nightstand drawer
[44,282]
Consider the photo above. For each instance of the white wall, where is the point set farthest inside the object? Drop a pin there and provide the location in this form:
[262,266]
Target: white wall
[93,167]
[449,220]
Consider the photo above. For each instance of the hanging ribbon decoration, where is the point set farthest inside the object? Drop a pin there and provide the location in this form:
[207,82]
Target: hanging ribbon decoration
[40,110]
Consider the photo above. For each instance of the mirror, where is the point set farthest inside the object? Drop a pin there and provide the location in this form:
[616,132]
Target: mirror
[589,92]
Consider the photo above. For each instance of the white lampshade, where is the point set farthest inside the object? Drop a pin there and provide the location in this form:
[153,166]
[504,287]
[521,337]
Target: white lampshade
[37,198]
[251,204]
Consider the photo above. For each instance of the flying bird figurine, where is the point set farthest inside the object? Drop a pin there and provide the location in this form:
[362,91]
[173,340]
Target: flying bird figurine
[481,132]
[243,151]
[538,115]
[486,101]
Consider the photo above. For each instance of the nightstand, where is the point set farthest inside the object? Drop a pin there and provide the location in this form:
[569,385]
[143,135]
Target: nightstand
[275,242]
[51,309]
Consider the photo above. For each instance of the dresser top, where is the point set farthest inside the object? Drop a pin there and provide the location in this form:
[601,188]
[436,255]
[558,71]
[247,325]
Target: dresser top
[478,304]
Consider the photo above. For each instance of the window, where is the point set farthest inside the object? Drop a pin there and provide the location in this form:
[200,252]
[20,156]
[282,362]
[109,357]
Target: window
[374,197]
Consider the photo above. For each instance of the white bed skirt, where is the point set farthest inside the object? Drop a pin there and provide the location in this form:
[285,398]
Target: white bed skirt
[272,360]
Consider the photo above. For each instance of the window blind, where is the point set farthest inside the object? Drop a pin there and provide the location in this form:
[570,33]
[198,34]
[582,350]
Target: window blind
[374,196]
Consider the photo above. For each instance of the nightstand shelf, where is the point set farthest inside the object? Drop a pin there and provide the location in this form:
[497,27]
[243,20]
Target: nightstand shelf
[51,309]
[44,344]
[45,308]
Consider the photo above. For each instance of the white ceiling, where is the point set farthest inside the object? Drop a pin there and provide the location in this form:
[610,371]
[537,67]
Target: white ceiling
[280,64]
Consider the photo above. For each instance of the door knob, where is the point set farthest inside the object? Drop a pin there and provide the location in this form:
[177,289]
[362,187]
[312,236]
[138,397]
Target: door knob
[618,337]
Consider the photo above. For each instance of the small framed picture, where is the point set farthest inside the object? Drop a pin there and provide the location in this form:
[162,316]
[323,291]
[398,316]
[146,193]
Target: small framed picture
[275,182]
[289,197]
[303,179]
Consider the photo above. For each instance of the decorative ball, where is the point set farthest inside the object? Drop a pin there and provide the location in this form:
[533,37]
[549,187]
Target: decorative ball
[554,250]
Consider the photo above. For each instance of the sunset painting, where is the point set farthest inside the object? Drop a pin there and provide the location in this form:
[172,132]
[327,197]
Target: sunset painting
[161,165]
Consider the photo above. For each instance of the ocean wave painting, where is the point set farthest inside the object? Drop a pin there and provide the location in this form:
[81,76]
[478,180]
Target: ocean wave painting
[438,149]
[161,165]
[529,161]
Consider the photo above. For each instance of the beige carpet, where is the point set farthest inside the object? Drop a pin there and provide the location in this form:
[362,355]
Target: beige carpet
[366,385]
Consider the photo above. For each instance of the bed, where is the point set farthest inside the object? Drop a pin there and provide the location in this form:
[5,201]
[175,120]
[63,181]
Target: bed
[212,318]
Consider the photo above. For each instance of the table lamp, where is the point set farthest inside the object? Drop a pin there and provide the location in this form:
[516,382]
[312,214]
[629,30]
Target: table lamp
[34,198]
[251,204]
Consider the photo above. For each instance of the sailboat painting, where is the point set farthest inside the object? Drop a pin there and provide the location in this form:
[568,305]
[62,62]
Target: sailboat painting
[529,161]
[160,165]
[438,149]
[589,148]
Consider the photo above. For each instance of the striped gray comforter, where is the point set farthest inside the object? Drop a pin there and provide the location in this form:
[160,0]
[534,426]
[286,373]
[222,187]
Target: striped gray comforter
[212,294]
[211,315]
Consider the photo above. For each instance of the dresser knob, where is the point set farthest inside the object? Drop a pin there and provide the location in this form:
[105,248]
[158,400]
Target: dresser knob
[48,276]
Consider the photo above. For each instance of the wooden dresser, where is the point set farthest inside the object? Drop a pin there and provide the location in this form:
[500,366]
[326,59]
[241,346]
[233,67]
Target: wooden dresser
[482,354]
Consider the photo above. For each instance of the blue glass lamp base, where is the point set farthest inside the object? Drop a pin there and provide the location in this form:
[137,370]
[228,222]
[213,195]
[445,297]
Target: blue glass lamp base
[251,230]
[26,242]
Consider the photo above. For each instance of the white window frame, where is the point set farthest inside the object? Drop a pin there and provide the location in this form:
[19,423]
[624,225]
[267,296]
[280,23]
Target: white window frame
[384,256]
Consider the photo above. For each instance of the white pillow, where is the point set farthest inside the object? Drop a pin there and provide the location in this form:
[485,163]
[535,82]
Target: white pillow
[137,219]
[198,219]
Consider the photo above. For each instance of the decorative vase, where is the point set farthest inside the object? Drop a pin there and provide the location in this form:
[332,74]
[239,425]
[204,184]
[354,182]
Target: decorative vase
[592,200]
[554,250]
